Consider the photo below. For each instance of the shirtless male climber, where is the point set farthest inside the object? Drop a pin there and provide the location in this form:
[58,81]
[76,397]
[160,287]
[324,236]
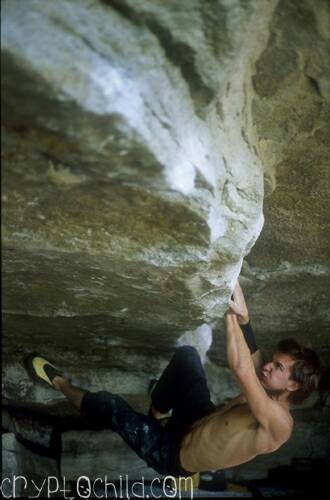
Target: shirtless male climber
[198,436]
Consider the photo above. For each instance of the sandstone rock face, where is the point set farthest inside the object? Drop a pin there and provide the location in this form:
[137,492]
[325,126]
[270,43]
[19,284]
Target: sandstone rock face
[132,187]
[136,137]
[289,265]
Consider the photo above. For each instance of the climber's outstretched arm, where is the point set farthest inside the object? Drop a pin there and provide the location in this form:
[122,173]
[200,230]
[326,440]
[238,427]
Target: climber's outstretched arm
[239,307]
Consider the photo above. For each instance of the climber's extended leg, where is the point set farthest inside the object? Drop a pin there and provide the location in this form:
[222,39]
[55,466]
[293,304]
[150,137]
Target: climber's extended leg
[158,446]
[104,410]
[145,435]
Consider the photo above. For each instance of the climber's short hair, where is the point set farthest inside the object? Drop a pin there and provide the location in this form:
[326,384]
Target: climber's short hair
[306,370]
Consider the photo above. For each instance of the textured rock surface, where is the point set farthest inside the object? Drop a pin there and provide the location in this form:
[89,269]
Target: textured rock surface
[130,187]
[135,138]
[289,265]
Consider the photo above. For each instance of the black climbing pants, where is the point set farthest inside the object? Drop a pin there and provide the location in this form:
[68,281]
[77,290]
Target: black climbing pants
[182,388]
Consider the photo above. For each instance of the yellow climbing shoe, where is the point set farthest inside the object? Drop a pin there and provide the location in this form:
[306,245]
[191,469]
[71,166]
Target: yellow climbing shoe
[41,369]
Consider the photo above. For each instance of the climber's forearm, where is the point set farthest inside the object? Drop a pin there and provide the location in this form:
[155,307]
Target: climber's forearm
[249,336]
[252,345]
[238,353]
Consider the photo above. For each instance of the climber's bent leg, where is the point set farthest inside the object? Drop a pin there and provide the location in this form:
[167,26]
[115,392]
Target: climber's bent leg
[182,388]
[184,370]
[142,433]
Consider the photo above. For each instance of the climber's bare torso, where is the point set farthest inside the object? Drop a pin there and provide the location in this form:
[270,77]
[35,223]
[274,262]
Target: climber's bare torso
[230,436]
